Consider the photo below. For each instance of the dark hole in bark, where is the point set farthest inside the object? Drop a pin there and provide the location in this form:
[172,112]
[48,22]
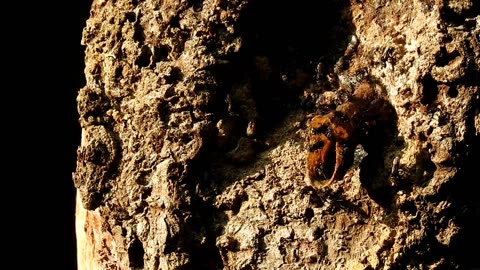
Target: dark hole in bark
[131,16]
[143,60]
[409,207]
[164,111]
[375,168]
[309,214]
[174,76]
[118,72]
[135,254]
[138,34]
[452,92]
[429,90]
[161,53]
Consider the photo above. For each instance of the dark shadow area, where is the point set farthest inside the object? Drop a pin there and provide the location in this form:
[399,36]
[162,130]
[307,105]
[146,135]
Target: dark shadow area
[426,252]
[283,44]
[375,171]
[458,17]
[466,202]
[51,78]
[205,255]
[379,138]
[72,63]
[74,80]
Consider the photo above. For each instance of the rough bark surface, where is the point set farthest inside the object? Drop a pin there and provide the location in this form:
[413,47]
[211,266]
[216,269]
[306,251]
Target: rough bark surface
[194,120]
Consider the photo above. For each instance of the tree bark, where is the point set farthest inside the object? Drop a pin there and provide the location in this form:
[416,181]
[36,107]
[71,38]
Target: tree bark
[197,123]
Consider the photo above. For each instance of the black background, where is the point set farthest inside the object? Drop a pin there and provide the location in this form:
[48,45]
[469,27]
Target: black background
[43,64]
[69,54]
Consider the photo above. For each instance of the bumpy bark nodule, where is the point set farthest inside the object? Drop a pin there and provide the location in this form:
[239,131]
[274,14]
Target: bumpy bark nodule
[194,118]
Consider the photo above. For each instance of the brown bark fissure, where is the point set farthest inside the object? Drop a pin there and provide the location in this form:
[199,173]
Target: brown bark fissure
[195,117]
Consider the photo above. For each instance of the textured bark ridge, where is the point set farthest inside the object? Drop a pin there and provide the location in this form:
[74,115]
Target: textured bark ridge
[195,118]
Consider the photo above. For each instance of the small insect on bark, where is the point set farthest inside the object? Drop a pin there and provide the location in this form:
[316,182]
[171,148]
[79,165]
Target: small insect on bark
[332,137]
[328,142]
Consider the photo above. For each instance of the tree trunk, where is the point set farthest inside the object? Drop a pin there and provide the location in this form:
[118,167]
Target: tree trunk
[211,131]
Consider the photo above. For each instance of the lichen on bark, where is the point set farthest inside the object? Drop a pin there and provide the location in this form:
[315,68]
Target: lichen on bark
[194,118]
